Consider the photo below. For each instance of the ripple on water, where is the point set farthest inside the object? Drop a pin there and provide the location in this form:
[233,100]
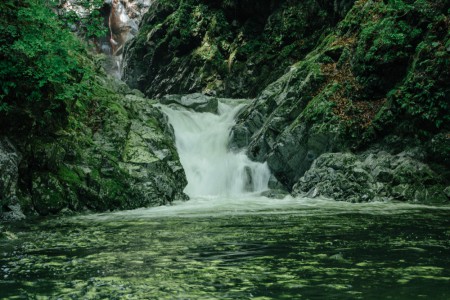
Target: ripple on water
[251,249]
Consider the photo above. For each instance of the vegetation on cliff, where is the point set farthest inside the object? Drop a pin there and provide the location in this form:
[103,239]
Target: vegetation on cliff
[70,136]
[42,71]
[378,82]
[228,48]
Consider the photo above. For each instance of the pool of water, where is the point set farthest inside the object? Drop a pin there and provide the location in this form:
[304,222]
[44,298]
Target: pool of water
[233,249]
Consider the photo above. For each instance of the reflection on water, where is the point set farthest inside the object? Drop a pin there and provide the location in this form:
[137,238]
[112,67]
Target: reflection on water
[244,249]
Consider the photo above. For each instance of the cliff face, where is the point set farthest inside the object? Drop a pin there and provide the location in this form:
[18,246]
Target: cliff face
[123,157]
[368,78]
[374,86]
[351,101]
[225,48]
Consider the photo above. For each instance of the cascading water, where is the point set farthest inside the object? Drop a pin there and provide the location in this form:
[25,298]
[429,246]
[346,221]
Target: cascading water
[211,168]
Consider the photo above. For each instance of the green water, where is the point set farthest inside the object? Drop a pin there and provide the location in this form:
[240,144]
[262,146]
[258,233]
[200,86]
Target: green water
[291,249]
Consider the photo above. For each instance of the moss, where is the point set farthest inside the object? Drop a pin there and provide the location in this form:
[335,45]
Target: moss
[320,109]
[48,194]
[70,176]
[380,46]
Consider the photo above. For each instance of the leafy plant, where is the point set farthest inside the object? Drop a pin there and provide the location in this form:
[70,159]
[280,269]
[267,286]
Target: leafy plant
[42,74]
[90,24]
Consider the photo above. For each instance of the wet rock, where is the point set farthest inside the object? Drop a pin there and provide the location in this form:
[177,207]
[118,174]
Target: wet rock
[275,194]
[294,153]
[250,45]
[275,126]
[197,102]
[370,177]
[447,192]
[9,174]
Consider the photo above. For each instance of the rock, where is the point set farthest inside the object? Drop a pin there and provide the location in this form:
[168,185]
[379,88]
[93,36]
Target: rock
[371,177]
[138,137]
[251,44]
[447,192]
[274,184]
[197,102]
[48,194]
[126,158]
[48,155]
[9,174]
[12,212]
[123,18]
[274,127]
[275,194]
[294,153]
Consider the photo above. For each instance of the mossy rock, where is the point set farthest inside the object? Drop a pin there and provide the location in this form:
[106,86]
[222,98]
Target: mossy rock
[48,194]
[231,49]
[367,177]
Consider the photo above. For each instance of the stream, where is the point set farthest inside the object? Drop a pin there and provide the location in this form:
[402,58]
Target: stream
[248,249]
[228,242]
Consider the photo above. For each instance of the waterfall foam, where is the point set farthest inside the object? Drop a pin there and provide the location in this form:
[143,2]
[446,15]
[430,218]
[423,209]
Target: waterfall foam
[211,168]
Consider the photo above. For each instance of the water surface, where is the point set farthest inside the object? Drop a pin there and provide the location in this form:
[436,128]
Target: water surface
[211,248]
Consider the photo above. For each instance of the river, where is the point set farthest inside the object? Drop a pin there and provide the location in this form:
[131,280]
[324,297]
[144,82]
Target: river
[249,249]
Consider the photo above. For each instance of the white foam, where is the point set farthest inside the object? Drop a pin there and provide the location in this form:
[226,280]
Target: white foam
[211,168]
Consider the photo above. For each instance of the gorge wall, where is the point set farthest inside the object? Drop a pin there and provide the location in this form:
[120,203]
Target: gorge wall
[225,48]
[367,79]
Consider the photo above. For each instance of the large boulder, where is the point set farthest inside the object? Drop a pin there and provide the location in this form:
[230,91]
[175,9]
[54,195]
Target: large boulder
[197,102]
[372,177]
[123,158]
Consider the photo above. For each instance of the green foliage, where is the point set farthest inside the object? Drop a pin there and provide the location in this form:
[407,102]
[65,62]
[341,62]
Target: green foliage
[186,27]
[42,74]
[320,109]
[91,24]
[401,53]
[385,45]
[425,94]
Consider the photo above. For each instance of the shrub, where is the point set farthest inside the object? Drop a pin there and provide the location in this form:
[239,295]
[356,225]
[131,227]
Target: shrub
[42,74]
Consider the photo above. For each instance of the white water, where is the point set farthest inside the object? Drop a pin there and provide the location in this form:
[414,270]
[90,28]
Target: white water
[233,206]
[211,168]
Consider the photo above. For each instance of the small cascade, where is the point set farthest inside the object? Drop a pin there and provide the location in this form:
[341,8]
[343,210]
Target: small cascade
[120,17]
[211,168]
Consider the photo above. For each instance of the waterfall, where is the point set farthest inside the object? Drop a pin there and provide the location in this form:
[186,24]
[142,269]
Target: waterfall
[211,168]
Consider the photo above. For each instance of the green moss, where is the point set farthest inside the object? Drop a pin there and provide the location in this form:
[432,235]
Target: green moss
[48,194]
[69,176]
[424,94]
[320,109]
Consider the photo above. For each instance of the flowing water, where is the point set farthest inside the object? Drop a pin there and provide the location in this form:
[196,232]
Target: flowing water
[211,169]
[248,249]
[229,243]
